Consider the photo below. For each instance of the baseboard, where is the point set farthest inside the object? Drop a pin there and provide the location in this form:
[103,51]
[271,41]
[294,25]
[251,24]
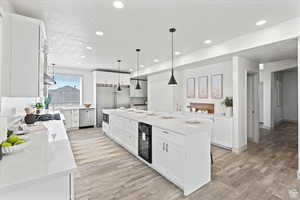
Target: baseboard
[239,149]
[298,174]
[266,127]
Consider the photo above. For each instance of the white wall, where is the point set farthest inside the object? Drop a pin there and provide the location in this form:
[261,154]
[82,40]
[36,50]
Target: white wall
[241,67]
[6,6]
[87,82]
[195,71]
[266,78]
[290,95]
[161,96]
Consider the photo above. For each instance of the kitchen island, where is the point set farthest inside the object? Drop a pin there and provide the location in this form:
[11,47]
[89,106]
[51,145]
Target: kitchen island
[177,148]
[44,170]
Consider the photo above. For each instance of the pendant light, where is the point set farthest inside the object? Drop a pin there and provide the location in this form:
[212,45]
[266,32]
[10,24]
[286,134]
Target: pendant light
[172,80]
[138,86]
[119,86]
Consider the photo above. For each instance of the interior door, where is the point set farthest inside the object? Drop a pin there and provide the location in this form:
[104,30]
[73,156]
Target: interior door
[250,107]
[104,100]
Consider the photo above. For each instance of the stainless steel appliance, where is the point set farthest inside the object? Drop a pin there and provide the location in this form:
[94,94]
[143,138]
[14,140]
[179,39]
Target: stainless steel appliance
[145,142]
[107,97]
[105,118]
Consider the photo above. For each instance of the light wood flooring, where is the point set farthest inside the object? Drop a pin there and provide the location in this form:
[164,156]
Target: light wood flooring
[265,171]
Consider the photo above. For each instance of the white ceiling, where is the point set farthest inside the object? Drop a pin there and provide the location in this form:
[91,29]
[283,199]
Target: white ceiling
[71,26]
[283,50]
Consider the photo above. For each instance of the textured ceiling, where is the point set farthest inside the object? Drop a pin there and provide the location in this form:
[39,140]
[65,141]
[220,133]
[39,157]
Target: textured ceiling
[71,26]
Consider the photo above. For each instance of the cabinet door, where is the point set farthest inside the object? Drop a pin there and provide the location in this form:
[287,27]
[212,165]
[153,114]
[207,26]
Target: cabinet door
[175,160]
[159,154]
[25,46]
[68,118]
[75,118]
[222,132]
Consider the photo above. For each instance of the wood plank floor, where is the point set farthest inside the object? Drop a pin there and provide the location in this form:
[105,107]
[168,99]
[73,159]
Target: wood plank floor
[265,171]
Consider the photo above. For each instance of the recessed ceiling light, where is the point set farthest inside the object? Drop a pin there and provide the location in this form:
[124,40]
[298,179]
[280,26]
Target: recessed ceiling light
[89,48]
[82,56]
[207,42]
[118,4]
[131,69]
[156,60]
[79,63]
[177,53]
[261,22]
[99,33]
[261,66]
[142,66]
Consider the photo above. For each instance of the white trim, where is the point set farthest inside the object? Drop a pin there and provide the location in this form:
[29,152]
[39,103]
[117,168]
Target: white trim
[239,149]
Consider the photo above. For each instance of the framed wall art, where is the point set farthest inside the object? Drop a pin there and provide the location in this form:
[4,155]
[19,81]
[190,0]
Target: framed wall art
[217,86]
[203,87]
[190,88]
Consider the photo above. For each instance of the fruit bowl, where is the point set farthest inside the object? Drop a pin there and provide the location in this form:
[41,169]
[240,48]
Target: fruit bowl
[17,147]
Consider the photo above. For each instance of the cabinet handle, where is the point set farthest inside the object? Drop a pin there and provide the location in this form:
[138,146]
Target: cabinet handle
[163,146]
[165,132]
[167,149]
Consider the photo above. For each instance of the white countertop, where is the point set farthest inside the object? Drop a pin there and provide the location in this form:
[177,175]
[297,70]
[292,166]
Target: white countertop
[44,157]
[177,124]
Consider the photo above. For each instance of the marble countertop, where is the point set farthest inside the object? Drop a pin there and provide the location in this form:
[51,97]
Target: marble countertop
[177,124]
[49,154]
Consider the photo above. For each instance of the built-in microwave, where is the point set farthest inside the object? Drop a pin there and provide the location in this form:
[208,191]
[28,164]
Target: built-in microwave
[105,118]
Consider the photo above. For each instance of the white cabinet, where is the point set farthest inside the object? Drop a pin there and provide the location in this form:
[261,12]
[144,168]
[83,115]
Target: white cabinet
[222,132]
[124,131]
[71,118]
[23,57]
[168,154]
[86,117]
[184,159]
[103,77]
[138,93]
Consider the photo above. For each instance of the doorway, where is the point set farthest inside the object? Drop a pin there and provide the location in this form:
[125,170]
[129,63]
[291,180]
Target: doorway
[252,107]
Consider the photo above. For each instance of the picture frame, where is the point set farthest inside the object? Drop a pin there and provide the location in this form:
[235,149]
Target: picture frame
[203,87]
[190,88]
[217,86]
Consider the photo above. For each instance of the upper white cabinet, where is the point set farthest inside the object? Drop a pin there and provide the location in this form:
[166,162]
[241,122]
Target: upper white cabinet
[138,93]
[104,77]
[23,57]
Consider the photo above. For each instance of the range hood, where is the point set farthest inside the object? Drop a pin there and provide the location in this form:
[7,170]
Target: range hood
[48,80]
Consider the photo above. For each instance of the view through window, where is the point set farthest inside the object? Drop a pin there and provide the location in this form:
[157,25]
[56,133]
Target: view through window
[66,91]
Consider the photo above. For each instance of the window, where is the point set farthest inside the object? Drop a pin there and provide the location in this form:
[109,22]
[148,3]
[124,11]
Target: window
[66,91]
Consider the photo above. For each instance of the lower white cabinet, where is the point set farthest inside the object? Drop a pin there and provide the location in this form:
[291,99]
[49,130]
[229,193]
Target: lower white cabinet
[222,132]
[184,159]
[71,118]
[168,156]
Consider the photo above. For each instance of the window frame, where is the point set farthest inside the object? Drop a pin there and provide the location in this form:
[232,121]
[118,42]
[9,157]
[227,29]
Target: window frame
[81,88]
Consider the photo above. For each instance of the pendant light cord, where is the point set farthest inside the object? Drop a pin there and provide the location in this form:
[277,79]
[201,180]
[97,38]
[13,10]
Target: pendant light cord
[119,63]
[172,53]
[138,63]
